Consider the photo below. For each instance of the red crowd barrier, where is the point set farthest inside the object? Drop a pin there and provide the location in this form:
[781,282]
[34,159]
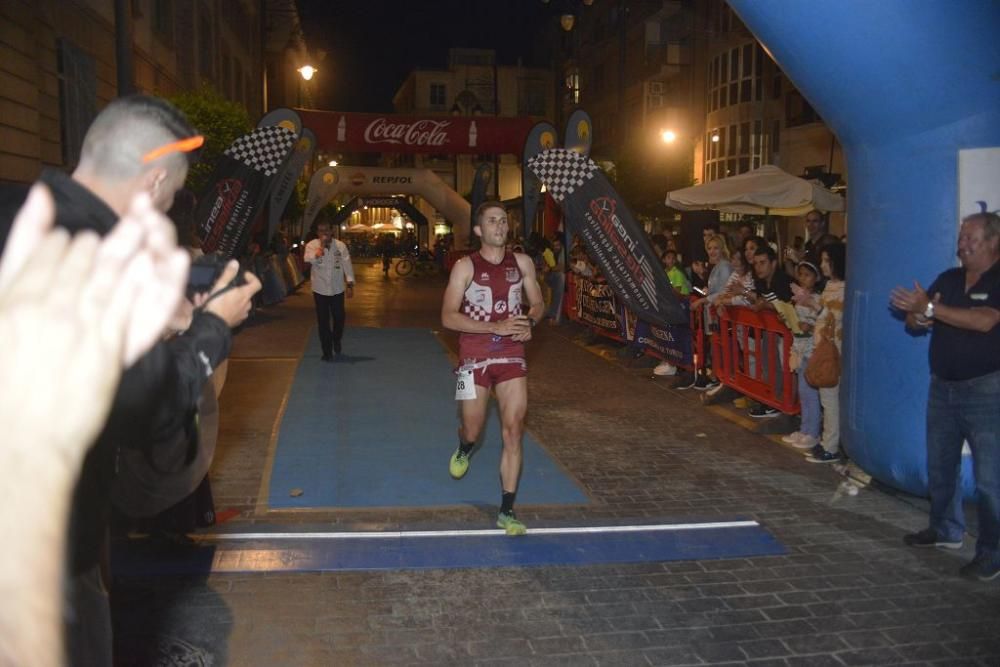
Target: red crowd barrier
[750,353]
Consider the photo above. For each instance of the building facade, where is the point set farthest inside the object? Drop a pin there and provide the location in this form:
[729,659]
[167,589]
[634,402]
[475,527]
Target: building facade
[58,66]
[690,68]
[474,83]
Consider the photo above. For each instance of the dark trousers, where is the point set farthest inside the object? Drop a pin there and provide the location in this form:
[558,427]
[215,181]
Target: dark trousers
[330,308]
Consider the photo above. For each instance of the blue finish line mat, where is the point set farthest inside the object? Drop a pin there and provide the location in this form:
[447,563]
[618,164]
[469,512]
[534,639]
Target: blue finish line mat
[377,427]
[330,552]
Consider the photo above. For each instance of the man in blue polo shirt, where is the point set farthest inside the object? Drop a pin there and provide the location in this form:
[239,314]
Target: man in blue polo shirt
[962,308]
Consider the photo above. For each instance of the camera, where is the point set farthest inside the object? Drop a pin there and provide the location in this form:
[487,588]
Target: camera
[205,271]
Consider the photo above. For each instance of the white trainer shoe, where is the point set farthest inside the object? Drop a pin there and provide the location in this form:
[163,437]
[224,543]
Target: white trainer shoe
[664,369]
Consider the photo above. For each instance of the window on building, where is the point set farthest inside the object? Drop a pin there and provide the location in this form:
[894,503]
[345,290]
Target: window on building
[439,95]
[226,77]
[77,98]
[531,100]
[239,91]
[573,86]
[758,60]
[798,111]
[163,21]
[739,149]
[205,51]
[599,79]
[735,77]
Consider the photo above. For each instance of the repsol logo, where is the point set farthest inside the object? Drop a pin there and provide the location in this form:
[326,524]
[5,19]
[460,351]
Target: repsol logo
[391,180]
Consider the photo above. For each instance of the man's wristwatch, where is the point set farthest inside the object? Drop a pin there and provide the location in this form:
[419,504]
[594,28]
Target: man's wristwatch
[929,310]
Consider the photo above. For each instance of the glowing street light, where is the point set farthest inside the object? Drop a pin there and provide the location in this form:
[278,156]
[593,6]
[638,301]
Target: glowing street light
[307,71]
[668,136]
[333,163]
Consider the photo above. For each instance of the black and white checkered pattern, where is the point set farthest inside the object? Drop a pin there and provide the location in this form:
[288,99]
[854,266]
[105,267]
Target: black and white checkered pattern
[562,171]
[264,149]
[477,313]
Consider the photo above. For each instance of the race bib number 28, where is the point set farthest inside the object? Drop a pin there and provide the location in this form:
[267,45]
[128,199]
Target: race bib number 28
[465,388]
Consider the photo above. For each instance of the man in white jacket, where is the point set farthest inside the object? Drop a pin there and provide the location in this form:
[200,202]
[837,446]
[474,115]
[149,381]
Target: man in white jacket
[332,278]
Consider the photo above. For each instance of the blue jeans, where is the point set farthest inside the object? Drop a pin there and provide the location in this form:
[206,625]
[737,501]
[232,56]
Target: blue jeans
[966,410]
[809,402]
[556,281]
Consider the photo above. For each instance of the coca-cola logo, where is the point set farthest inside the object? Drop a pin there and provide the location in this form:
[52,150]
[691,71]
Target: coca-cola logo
[417,133]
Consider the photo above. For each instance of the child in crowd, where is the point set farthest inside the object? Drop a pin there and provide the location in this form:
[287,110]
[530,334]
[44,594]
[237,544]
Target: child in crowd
[699,271]
[675,275]
[807,306]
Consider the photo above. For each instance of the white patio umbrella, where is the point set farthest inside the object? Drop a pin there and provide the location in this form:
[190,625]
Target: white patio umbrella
[764,191]
[358,229]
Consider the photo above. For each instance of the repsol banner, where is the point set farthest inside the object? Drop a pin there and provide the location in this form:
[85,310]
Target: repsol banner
[613,237]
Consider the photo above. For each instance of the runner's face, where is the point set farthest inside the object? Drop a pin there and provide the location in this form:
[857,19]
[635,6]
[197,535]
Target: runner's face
[493,227]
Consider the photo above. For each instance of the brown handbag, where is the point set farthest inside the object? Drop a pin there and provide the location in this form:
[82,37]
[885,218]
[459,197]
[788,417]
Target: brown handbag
[823,368]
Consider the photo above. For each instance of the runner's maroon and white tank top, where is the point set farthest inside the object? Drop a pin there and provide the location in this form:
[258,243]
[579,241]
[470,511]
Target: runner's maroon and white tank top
[493,295]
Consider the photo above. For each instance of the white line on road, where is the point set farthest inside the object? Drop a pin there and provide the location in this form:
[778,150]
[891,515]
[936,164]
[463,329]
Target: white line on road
[578,530]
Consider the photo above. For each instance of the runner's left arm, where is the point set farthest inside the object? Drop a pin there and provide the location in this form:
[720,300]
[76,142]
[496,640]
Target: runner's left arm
[532,291]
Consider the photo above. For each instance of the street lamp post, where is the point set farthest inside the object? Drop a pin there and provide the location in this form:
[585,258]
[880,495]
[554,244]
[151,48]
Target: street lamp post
[306,72]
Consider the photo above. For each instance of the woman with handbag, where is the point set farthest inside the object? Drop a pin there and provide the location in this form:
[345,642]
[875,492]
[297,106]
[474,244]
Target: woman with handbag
[824,364]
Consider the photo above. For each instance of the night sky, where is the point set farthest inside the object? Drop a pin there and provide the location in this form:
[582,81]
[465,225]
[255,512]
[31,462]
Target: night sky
[371,45]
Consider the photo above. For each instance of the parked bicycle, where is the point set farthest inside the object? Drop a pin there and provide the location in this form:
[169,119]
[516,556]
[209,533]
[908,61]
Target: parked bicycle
[420,264]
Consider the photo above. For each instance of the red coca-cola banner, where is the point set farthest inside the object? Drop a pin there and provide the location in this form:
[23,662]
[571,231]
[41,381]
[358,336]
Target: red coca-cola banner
[339,131]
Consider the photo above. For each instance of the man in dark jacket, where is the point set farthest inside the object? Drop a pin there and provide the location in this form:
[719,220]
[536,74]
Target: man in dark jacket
[136,144]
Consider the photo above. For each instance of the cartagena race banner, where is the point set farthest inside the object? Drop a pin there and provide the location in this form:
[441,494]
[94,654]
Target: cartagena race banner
[671,343]
[613,237]
[345,132]
[597,307]
[240,186]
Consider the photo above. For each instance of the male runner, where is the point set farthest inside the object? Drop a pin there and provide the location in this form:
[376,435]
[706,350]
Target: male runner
[483,301]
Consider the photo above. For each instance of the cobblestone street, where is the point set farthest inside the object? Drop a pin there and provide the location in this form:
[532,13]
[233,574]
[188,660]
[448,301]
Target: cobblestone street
[847,593]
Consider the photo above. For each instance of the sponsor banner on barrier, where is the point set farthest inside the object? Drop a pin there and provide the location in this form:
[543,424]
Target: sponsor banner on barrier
[597,306]
[672,343]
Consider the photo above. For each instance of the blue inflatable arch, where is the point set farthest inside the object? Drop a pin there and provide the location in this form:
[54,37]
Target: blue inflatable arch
[905,85]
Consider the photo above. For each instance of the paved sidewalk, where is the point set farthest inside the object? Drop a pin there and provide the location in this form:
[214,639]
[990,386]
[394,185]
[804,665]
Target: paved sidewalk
[848,592]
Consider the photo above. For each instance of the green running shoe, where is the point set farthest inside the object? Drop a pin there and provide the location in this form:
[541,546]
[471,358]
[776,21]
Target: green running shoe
[459,464]
[510,524]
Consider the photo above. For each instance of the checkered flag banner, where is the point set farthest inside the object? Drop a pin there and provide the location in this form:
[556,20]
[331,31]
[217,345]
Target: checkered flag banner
[264,149]
[615,240]
[242,182]
[563,171]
